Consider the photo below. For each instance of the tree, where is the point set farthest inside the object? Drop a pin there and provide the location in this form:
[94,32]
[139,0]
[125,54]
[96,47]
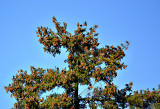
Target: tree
[84,61]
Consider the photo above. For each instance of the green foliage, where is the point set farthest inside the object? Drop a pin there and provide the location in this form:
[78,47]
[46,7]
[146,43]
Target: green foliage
[84,60]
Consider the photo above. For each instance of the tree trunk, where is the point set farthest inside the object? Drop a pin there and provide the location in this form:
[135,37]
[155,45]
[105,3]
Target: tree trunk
[76,96]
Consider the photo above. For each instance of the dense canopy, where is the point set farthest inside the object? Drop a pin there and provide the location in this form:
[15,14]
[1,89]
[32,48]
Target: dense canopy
[84,61]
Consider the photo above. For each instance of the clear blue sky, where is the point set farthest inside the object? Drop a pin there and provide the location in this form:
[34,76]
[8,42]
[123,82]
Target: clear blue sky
[137,21]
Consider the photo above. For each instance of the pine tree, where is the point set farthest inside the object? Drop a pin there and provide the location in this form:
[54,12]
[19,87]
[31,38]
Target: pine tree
[84,61]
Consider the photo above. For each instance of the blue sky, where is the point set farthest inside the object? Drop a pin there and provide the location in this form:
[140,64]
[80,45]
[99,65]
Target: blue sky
[119,20]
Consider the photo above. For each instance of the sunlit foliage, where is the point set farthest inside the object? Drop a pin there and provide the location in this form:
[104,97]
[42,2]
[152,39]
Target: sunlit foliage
[84,61]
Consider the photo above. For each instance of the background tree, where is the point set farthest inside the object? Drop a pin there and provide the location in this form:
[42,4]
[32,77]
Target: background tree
[84,61]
